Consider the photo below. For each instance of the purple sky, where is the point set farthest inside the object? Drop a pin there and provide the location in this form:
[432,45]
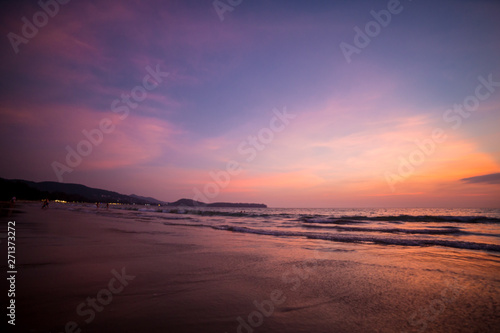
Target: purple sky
[359,130]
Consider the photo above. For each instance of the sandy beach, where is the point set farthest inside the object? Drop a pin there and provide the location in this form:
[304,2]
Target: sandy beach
[99,272]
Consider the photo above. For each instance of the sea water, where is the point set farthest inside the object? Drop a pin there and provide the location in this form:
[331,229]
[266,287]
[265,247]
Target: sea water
[465,228]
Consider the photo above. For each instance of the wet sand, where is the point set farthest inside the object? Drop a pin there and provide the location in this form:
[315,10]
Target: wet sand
[100,273]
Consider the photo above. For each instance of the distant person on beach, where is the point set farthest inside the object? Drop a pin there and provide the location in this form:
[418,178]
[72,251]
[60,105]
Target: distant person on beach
[13,201]
[96,205]
[45,204]
[107,205]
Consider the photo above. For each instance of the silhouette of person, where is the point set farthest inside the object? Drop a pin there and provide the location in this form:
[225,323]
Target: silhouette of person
[45,204]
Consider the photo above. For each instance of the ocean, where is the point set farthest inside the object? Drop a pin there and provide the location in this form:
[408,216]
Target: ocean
[195,269]
[469,229]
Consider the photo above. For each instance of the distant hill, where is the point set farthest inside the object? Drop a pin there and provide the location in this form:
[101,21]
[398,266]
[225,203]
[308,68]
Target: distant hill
[28,190]
[188,203]
[193,203]
[149,199]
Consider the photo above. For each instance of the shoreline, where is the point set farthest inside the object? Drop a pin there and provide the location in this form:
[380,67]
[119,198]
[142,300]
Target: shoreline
[194,279]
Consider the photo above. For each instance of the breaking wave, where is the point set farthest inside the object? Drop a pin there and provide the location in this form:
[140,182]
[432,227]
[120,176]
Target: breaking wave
[381,240]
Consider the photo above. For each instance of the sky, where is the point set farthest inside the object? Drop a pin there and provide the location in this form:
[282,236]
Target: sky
[288,103]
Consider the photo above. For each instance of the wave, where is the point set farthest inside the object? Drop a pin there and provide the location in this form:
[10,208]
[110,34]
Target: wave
[203,212]
[352,238]
[435,231]
[316,218]
[401,218]
[330,220]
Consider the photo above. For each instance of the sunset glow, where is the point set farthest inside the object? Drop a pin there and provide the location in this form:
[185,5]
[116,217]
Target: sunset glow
[262,105]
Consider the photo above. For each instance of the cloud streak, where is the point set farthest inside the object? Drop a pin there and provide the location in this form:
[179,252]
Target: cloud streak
[493,179]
